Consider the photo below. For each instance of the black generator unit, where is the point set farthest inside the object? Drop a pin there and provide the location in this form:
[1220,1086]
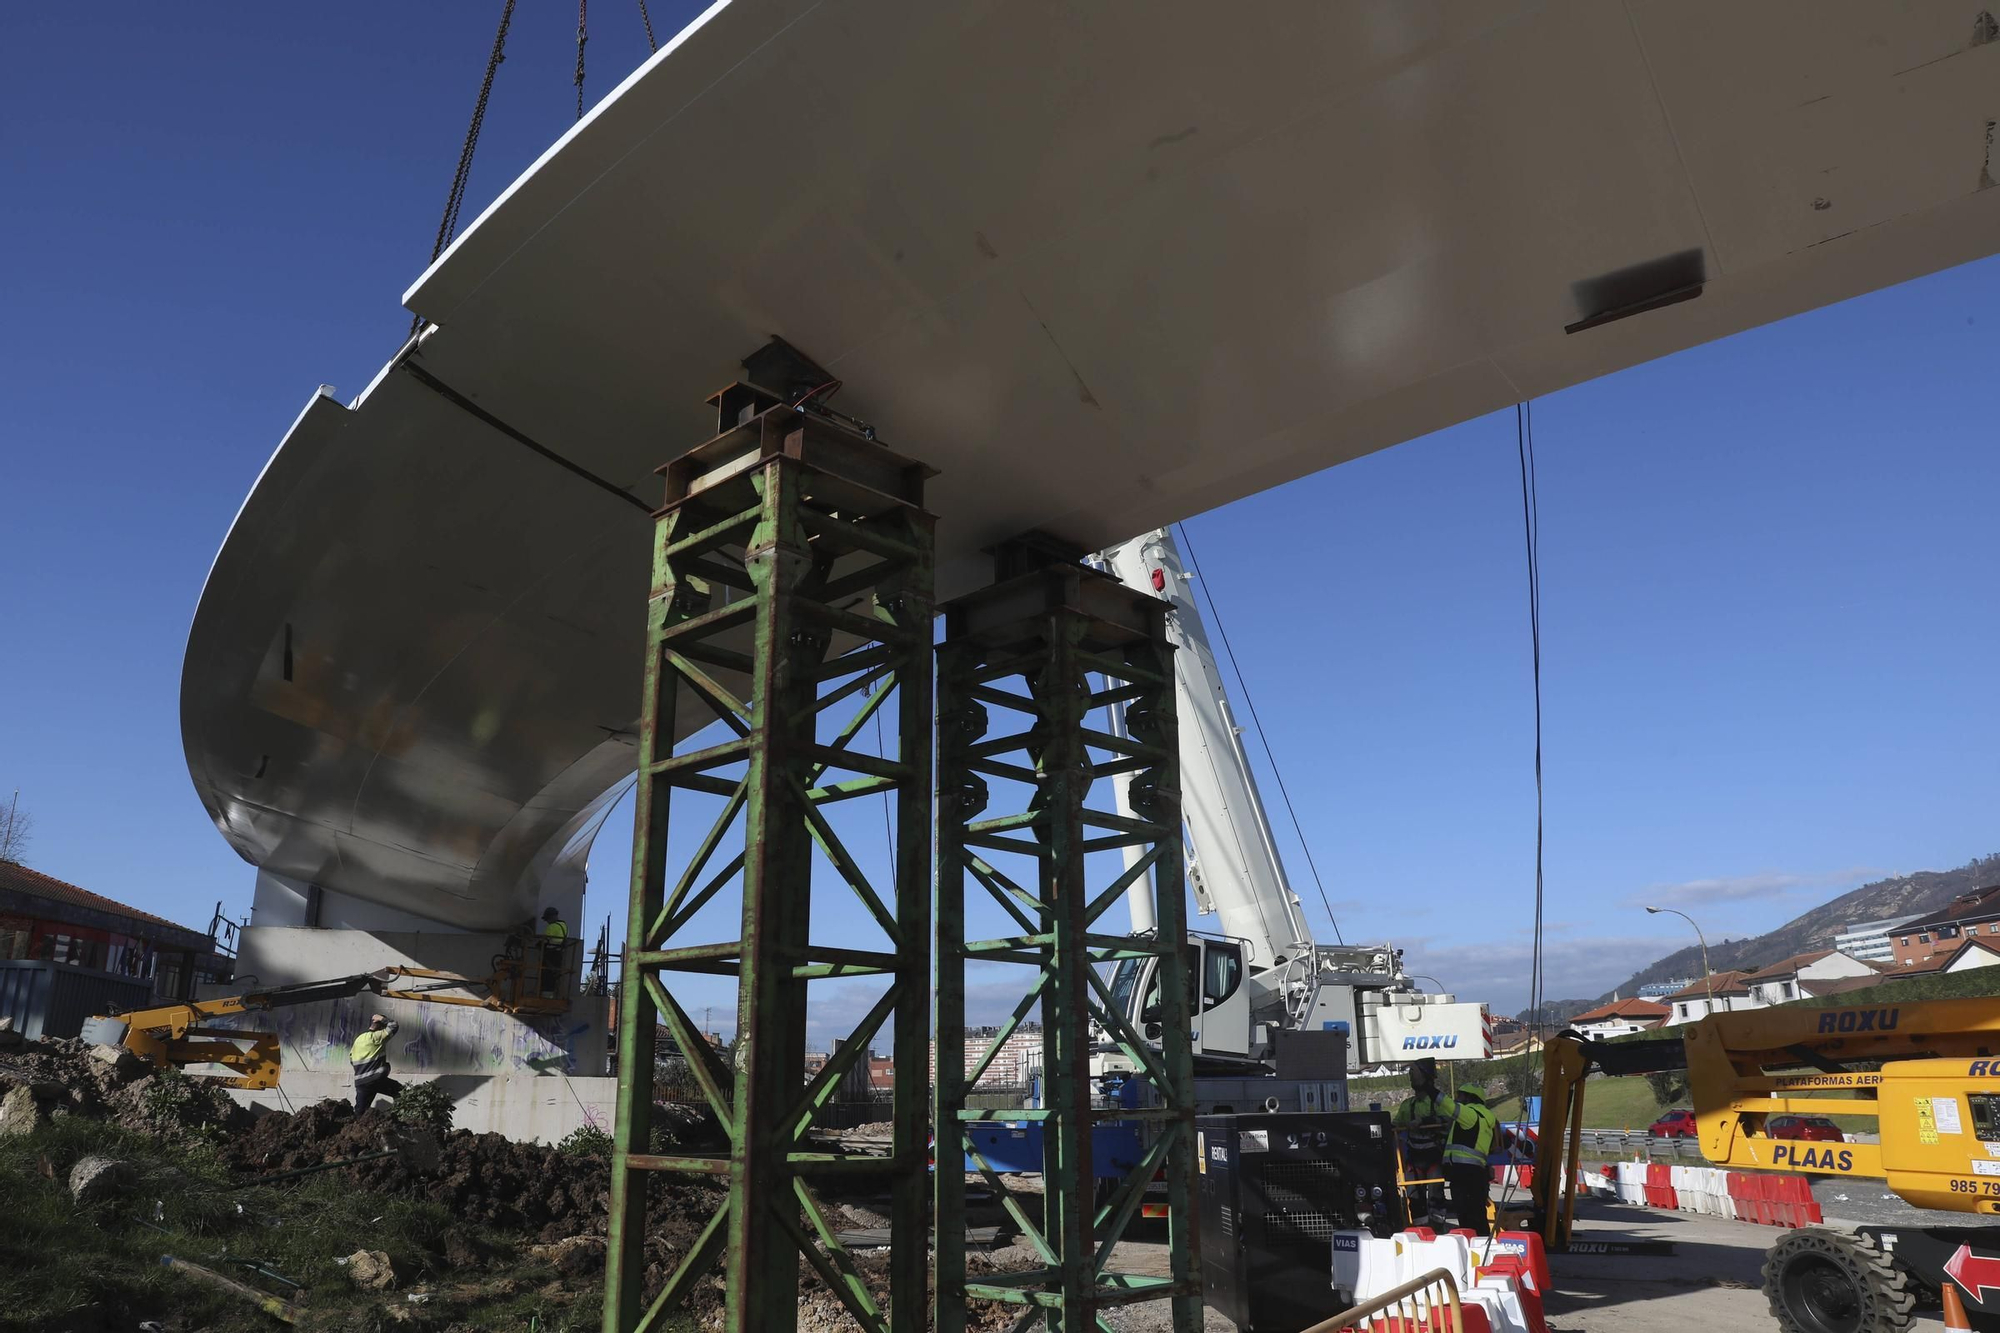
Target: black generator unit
[1274,1187]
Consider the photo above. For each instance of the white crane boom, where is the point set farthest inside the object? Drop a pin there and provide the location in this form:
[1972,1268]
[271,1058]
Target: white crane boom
[1233,865]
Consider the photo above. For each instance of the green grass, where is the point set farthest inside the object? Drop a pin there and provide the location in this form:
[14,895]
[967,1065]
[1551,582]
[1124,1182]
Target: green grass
[99,1266]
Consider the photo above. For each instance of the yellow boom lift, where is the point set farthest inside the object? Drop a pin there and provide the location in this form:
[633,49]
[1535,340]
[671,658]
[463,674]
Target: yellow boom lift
[1927,1072]
[174,1035]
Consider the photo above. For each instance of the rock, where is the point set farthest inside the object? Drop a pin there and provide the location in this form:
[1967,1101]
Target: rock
[94,1178]
[371,1270]
[119,1061]
[575,1257]
[20,1113]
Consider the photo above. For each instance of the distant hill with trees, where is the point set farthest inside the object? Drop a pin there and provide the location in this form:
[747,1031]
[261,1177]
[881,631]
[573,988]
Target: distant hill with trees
[1900,895]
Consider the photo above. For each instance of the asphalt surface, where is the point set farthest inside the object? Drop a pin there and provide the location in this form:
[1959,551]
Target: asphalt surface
[1713,1280]
[1852,1199]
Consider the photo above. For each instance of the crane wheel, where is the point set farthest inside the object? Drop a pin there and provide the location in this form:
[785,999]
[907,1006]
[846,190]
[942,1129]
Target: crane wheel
[1824,1281]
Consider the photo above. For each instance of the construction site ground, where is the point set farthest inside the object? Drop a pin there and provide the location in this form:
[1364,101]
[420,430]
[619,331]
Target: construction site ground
[495,1234]
[1712,1280]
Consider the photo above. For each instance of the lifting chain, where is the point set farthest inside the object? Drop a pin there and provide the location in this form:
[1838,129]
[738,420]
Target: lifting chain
[448,224]
[582,36]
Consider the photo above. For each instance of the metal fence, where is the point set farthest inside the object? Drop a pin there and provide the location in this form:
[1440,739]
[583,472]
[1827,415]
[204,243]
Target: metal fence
[1636,1143]
[48,999]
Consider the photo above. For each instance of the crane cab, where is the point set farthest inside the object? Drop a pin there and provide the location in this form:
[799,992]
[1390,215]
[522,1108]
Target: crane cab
[1221,999]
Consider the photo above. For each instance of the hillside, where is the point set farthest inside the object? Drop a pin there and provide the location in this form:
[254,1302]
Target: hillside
[1925,891]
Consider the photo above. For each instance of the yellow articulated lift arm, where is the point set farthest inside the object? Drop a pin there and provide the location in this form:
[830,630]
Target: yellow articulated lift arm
[1927,1073]
[174,1035]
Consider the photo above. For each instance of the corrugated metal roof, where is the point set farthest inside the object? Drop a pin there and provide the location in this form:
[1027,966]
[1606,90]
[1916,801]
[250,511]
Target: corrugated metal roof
[19,879]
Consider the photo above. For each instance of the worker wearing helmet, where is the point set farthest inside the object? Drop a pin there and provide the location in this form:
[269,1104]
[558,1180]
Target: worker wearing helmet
[1448,1135]
[555,942]
[370,1057]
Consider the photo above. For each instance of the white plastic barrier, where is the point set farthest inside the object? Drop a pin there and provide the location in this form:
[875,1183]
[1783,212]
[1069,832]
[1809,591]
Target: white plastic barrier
[1632,1182]
[1364,1267]
[1501,1300]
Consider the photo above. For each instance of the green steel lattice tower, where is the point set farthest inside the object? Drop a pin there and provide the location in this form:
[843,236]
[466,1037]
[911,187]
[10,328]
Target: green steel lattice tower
[791,603]
[1018,659]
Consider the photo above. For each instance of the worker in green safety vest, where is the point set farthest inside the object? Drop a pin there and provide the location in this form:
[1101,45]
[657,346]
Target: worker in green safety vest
[370,1058]
[1449,1135]
[555,943]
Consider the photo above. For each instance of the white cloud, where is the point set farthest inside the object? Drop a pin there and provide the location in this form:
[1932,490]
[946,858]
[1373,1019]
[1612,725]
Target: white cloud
[1735,888]
[1498,972]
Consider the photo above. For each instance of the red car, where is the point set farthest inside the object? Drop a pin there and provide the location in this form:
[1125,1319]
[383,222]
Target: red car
[1674,1125]
[1816,1128]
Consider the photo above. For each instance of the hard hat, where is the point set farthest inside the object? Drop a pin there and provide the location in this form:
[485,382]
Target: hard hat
[550,914]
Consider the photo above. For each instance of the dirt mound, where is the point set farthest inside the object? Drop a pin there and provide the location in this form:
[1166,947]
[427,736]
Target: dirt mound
[481,1178]
[558,1202]
[68,1079]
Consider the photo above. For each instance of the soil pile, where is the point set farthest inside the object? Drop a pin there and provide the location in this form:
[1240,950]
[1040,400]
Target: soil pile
[66,1078]
[557,1202]
[481,1178]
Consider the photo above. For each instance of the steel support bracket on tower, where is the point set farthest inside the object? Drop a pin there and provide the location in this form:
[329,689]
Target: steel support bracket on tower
[1035,658]
[791,605]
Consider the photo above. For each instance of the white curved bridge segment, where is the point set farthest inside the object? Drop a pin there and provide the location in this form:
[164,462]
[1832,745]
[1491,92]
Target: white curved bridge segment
[1103,265]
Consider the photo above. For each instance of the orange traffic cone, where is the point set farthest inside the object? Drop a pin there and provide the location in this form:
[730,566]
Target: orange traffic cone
[1954,1308]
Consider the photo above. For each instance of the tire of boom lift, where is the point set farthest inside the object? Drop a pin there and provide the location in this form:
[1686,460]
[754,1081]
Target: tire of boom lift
[1820,1280]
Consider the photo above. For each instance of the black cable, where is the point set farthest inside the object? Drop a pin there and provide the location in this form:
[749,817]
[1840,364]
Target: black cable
[647,19]
[448,224]
[466,405]
[888,826]
[1262,738]
[1524,446]
[582,36]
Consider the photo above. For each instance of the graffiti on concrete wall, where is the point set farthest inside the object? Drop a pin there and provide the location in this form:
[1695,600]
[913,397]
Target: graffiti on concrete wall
[430,1040]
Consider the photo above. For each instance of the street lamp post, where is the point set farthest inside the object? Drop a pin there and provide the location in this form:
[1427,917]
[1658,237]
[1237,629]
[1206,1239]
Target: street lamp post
[1707,976]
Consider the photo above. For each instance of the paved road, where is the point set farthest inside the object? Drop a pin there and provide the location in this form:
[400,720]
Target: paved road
[1712,1281]
[1853,1200]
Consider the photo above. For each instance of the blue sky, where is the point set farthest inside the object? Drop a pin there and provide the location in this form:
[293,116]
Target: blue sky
[1767,563]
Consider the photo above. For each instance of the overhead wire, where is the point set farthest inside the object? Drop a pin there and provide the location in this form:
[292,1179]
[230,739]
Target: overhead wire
[1263,739]
[647,19]
[1531,524]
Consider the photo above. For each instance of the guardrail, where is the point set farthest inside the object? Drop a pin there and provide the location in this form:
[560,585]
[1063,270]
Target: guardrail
[1401,1307]
[1638,1143]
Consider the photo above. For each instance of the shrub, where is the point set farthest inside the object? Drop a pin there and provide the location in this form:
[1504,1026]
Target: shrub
[586,1141]
[184,1107]
[425,1105]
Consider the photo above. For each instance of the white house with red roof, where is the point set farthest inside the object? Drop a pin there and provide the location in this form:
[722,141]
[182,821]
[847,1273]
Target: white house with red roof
[1620,1017]
[1783,981]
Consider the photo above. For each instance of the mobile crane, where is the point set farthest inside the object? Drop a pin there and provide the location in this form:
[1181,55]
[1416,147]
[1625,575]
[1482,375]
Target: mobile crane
[1262,973]
[1928,1072]
[177,1035]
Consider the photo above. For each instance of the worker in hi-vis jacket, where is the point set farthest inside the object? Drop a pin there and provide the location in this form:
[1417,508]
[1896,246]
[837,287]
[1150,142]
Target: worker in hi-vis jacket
[370,1057]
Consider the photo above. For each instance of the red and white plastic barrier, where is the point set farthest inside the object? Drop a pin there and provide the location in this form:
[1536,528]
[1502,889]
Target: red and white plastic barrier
[1500,1279]
[1761,1197]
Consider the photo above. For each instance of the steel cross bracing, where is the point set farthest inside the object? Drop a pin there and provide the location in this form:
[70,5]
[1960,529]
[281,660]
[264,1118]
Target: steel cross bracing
[1022,728]
[792,597]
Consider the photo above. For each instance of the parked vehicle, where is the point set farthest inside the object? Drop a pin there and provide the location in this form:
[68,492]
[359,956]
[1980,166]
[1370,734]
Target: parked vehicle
[1816,1128]
[1673,1125]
